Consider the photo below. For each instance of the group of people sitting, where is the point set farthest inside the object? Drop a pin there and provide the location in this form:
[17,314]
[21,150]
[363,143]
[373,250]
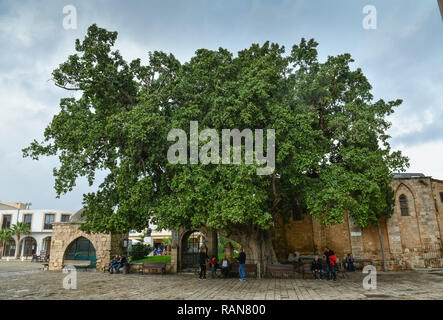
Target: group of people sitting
[116,263]
[224,265]
[331,265]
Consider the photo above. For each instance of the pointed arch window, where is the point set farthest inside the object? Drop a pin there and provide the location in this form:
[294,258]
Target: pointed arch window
[404,209]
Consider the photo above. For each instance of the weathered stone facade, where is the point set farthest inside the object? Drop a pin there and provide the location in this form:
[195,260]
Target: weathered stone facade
[412,240]
[65,233]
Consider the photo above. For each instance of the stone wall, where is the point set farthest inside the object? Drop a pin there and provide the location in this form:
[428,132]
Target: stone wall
[437,188]
[64,233]
[405,238]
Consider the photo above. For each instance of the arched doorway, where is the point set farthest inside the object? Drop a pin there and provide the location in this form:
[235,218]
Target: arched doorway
[46,246]
[28,246]
[191,243]
[9,248]
[81,249]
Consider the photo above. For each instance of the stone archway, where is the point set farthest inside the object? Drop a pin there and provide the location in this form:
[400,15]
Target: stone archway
[81,249]
[191,243]
[65,233]
[186,244]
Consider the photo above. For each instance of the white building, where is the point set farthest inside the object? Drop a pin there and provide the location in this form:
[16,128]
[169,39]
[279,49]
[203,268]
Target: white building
[155,239]
[38,241]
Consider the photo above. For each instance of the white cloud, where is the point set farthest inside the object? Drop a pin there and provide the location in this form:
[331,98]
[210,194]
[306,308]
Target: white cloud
[402,59]
[426,158]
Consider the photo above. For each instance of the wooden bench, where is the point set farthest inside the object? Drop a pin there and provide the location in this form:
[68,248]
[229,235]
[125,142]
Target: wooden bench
[249,268]
[158,266]
[273,269]
[78,264]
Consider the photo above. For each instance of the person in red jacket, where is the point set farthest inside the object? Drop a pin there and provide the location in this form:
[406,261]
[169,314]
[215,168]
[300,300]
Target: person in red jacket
[213,264]
[331,261]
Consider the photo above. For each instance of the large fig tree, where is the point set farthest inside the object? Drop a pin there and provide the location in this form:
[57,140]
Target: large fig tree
[332,154]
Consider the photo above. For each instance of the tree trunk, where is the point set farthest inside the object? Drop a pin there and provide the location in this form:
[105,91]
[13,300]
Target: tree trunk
[258,247]
[382,246]
[17,250]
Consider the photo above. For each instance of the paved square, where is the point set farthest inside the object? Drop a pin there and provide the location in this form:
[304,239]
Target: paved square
[25,280]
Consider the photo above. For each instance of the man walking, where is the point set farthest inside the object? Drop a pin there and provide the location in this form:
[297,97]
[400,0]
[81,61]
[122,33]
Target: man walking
[241,266]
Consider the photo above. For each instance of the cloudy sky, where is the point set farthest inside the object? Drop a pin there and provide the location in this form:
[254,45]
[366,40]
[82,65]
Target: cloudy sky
[402,57]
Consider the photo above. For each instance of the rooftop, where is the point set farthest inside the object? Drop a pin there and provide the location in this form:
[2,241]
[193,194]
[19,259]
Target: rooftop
[408,175]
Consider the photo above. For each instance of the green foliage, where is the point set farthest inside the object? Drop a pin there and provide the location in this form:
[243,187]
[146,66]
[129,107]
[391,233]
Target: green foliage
[167,241]
[165,258]
[5,235]
[140,250]
[223,241]
[20,228]
[332,150]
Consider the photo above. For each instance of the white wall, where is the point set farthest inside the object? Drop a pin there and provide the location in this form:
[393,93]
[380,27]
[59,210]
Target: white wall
[37,217]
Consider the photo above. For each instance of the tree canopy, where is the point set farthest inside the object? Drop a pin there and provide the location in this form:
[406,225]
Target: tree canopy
[331,147]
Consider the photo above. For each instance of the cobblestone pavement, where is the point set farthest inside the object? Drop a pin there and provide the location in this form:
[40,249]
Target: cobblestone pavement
[25,281]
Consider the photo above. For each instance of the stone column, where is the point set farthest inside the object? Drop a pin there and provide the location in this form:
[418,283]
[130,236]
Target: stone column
[355,236]
[174,258]
[228,250]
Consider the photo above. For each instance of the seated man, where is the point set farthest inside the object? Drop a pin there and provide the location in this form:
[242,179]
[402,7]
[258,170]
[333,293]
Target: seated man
[225,266]
[317,267]
[120,263]
[350,262]
[112,263]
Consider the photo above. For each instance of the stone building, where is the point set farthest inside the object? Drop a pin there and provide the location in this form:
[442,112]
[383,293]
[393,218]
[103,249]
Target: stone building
[70,243]
[412,237]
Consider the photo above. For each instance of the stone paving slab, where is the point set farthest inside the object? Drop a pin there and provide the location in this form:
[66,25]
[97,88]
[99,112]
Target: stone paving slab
[17,266]
[92,285]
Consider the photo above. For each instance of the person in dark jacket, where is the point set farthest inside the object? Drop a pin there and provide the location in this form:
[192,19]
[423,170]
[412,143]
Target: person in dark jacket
[241,264]
[121,263]
[203,258]
[113,262]
[329,255]
[349,262]
[317,267]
